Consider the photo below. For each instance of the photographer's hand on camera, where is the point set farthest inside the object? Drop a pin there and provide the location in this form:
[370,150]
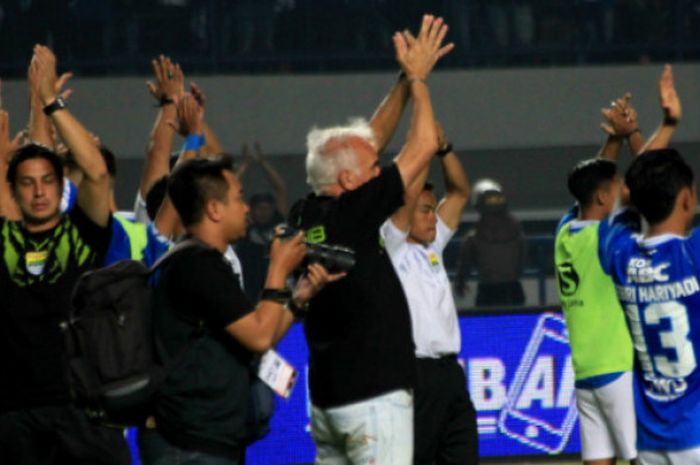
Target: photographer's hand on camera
[309,284]
[285,256]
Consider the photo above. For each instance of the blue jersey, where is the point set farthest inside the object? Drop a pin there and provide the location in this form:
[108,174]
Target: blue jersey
[656,280]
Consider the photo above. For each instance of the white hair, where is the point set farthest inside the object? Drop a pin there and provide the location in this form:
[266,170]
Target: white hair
[329,152]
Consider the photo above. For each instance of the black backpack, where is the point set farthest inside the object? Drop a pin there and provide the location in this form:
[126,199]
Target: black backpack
[113,370]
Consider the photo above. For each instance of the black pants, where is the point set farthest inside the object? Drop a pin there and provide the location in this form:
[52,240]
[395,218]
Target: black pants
[58,435]
[444,419]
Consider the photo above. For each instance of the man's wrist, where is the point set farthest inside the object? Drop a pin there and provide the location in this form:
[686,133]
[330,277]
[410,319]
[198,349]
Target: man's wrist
[56,104]
[281,296]
[194,142]
[444,150]
[670,121]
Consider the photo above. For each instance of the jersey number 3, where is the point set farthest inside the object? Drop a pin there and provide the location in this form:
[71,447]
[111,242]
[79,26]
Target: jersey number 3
[675,338]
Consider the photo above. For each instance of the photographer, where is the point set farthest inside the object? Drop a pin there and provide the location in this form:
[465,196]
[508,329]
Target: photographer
[362,362]
[201,409]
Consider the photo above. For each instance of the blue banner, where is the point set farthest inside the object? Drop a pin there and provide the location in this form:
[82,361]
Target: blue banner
[519,375]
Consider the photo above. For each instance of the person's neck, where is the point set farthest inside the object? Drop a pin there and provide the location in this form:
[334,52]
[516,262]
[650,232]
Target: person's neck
[41,227]
[672,225]
[208,236]
[592,214]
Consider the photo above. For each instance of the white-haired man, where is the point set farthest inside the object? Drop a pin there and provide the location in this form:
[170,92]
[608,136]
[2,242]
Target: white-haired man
[362,362]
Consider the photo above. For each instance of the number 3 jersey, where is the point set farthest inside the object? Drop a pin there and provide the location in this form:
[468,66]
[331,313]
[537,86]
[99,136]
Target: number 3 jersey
[656,281]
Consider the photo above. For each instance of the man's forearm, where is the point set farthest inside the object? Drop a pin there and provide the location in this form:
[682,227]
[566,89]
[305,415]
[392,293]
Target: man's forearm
[159,148]
[39,124]
[660,139]
[422,137]
[81,144]
[386,117]
[456,180]
[611,148]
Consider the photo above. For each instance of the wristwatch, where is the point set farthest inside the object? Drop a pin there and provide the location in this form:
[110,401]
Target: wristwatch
[58,104]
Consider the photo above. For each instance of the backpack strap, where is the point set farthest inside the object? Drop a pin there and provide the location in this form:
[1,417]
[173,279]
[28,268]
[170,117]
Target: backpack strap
[180,246]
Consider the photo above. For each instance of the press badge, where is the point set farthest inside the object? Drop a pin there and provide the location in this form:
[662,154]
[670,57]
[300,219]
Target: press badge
[277,373]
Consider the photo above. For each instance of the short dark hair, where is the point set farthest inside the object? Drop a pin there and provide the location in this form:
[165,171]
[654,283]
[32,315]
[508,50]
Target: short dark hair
[654,179]
[194,183]
[29,152]
[588,176]
[155,196]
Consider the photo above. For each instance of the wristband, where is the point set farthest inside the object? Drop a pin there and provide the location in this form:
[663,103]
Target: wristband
[194,142]
[444,151]
[58,104]
[163,101]
[298,312]
[629,134]
[670,121]
[281,296]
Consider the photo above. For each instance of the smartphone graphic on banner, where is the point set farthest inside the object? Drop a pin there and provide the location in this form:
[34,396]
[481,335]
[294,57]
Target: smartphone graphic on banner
[539,411]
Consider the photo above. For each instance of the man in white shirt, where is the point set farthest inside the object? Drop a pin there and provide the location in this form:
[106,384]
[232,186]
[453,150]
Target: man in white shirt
[415,237]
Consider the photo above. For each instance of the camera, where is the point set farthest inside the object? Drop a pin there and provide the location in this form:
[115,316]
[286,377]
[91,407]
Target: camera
[334,258]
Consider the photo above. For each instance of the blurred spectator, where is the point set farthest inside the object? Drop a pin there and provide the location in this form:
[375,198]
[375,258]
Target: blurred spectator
[266,211]
[595,21]
[250,25]
[511,22]
[495,247]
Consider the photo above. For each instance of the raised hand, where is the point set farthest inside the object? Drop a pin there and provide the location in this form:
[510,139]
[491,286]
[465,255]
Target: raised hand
[190,116]
[417,55]
[620,117]
[169,80]
[7,145]
[670,103]
[44,68]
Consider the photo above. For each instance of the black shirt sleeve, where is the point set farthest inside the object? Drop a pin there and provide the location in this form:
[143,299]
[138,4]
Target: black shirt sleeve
[96,236]
[205,287]
[373,202]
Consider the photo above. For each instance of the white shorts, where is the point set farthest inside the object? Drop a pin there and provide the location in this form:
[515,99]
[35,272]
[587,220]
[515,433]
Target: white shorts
[607,420]
[670,457]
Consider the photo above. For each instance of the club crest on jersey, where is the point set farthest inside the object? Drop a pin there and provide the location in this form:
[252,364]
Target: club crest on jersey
[36,261]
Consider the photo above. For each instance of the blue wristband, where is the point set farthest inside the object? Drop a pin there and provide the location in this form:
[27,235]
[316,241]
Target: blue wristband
[194,142]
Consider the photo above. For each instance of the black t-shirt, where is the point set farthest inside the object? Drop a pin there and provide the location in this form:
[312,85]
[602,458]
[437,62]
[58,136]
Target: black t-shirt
[254,253]
[203,403]
[359,328]
[37,274]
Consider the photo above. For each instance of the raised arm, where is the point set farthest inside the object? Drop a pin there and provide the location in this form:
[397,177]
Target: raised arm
[456,186]
[386,117]
[212,144]
[672,110]
[167,89]
[417,56]
[94,194]
[8,207]
[190,117]
[620,124]
[276,181]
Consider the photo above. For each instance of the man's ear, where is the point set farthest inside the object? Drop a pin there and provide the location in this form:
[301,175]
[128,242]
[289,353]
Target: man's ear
[213,210]
[600,196]
[346,180]
[685,199]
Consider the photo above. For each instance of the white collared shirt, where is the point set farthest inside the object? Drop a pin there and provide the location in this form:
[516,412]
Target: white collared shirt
[427,287]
